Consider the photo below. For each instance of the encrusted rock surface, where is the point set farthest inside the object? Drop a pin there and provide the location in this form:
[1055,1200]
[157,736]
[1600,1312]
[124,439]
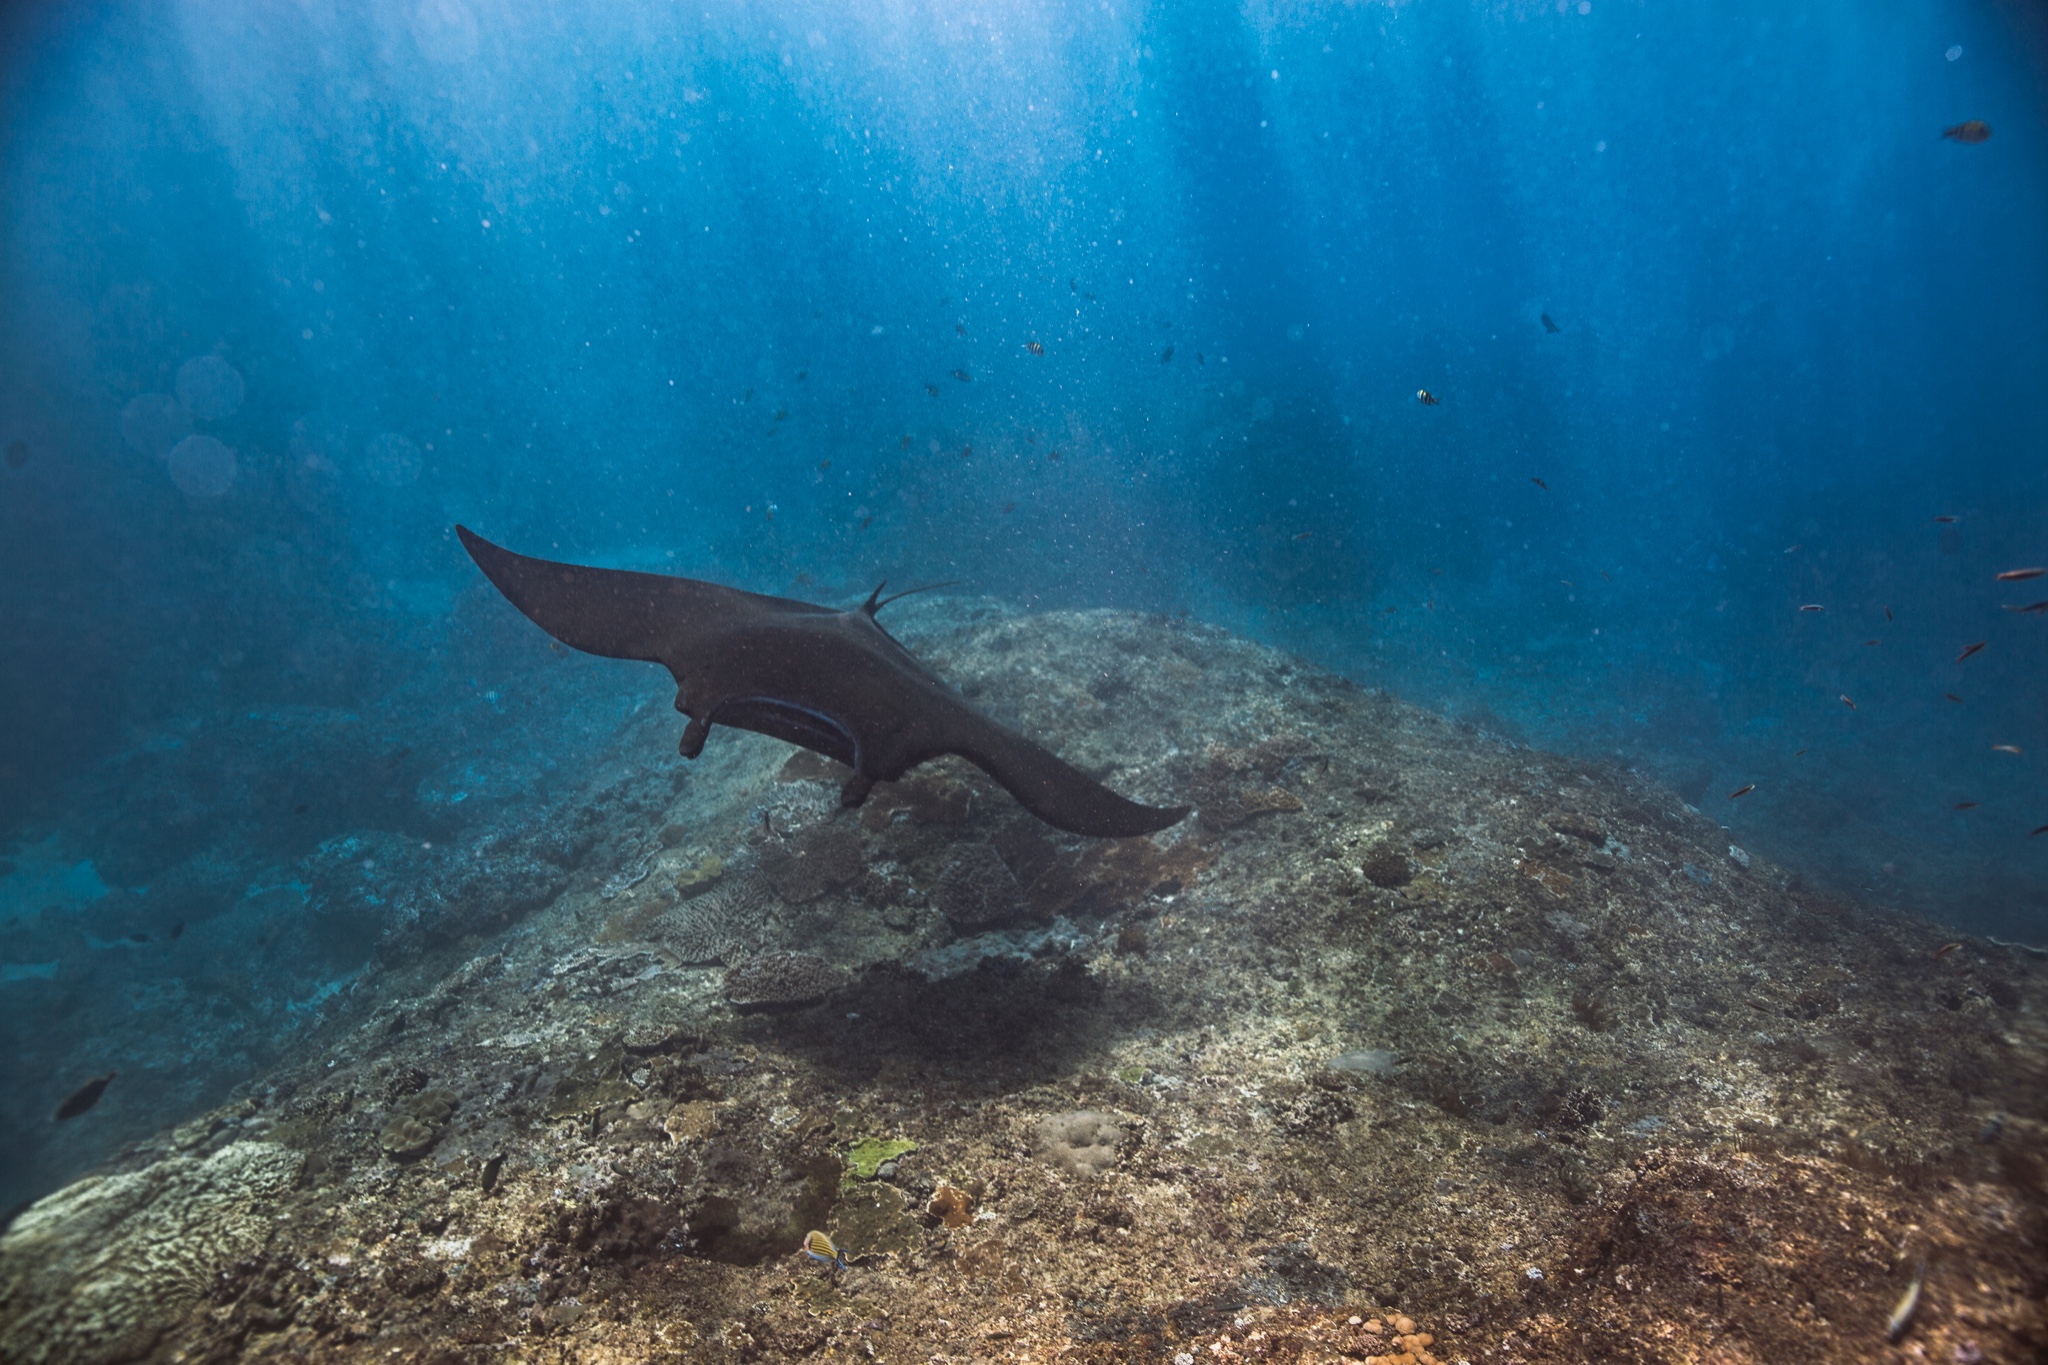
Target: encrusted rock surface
[1414,1044]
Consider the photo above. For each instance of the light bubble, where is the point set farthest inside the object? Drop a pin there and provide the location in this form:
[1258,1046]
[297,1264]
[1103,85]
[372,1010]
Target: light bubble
[209,387]
[391,461]
[154,422]
[1953,53]
[201,467]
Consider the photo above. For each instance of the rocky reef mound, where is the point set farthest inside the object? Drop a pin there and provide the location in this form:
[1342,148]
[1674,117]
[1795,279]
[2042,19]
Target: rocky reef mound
[1411,1044]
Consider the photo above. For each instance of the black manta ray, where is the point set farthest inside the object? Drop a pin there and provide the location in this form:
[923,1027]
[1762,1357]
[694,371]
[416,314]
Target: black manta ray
[831,681]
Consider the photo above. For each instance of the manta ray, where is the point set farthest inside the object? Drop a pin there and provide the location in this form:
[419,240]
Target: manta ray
[831,681]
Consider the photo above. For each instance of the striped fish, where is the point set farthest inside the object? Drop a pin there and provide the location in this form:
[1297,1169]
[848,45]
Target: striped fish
[819,1247]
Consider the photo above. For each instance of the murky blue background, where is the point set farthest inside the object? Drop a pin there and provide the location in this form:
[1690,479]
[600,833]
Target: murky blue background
[752,291]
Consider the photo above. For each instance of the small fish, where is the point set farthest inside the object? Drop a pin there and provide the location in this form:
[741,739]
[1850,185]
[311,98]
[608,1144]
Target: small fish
[2018,575]
[1813,606]
[960,329]
[1909,1304]
[1952,696]
[1166,356]
[1742,791]
[824,465]
[1794,549]
[819,1247]
[1972,131]
[2031,609]
[1799,753]
[17,454]
[1947,520]
[963,376]
[1393,611]
[1539,483]
[965,451]
[1966,805]
[1887,613]
[1550,326]
[1034,347]
[2033,833]
[1303,535]
[85,1097]
[1073,285]
[932,389]
[1868,643]
[1424,397]
[1846,702]
[2005,748]
[906,439]
[1199,360]
[1968,650]
[1567,582]
[1943,951]
[1603,574]
[177,929]
[1009,507]
[1053,455]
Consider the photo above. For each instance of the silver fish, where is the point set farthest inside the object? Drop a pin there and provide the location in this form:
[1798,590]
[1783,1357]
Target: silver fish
[1909,1304]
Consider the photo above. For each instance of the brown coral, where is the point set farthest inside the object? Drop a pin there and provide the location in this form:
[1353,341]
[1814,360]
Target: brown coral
[1235,785]
[781,980]
[807,865]
[722,925]
[976,889]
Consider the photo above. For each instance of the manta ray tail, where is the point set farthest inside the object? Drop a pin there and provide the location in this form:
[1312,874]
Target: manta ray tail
[1060,794]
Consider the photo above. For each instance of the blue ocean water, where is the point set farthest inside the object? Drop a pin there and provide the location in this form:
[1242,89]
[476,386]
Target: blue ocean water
[1077,304]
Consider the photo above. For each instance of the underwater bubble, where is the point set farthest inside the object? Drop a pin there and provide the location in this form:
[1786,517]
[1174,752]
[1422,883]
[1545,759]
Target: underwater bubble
[202,467]
[154,422]
[1954,52]
[318,441]
[209,387]
[391,461]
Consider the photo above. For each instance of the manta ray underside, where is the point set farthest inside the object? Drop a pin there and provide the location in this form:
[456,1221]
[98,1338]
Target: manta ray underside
[831,681]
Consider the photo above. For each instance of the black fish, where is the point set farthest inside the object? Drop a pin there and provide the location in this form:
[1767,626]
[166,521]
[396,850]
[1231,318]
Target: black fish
[1550,326]
[85,1097]
[932,389]
[831,681]
[1166,356]
[962,376]
[177,929]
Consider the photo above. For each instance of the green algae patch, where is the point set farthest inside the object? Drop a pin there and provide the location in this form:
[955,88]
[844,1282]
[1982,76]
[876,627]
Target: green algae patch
[707,871]
[864,1159]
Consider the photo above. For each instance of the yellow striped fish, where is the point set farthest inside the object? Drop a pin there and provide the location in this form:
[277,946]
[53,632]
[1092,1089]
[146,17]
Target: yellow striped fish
[819,1247]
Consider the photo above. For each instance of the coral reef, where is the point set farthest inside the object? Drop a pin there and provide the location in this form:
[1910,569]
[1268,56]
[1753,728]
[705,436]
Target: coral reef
[1461,1051]
[100,1270]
